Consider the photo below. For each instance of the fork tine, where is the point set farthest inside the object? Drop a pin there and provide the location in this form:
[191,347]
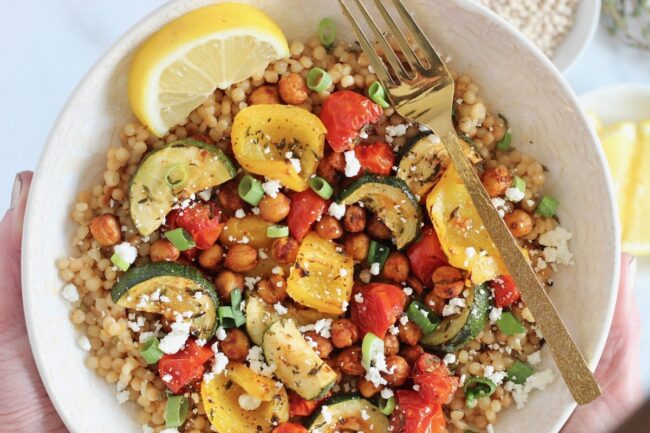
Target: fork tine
[377,65]
[394,62]
[399,37]
[418,34]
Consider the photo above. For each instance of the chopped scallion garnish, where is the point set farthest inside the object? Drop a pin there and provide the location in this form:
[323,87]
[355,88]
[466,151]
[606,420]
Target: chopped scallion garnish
[181,239]
[371,348]
[547,206]
[327,32]
[423,317]
[377,253]
[318,80]
[378,95]
[519,372]
[386,406]
[476,388]
[509,325]
[519,184]
[504,143]
[150,350]
[226,317]
[250,190]
[321,187]
[176,411]
[120,262]
[277,232]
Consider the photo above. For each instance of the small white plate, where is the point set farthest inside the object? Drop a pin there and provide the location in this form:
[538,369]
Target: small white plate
[576,41]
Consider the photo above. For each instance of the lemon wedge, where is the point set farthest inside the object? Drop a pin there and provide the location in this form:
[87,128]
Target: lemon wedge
[181,64]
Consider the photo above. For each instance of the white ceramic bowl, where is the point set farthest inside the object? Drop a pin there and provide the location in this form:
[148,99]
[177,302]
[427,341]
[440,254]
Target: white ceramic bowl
[581,34]
[516,79]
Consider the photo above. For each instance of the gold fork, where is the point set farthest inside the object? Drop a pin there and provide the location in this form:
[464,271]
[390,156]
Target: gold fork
[424,94]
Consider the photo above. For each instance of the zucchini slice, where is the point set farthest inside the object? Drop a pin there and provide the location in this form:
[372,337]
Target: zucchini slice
[456,331]
[297,364]
[349,413]
[393,202]
[260,315]
[170,288]
[175,171]
[421,162]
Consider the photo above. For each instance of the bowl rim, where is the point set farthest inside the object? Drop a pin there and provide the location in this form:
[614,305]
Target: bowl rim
[108,56]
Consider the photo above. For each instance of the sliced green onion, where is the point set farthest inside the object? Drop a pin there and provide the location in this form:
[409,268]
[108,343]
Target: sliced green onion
[176,411]
[250,190]
[150,350]
[277,232]
[120,262]
[377,253]
[321,187]
[547,206]
[327,32]
[509,325]
[504,143]
[423,317]
[371,347]
[181,239]
[378,95]
[519,183]
[318,80]
[476,388]
[386,406]
[176,175]
[235,303]
[226,317]
[519,372]
[235,298]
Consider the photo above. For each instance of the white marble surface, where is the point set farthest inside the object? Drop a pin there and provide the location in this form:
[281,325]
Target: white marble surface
[49,46]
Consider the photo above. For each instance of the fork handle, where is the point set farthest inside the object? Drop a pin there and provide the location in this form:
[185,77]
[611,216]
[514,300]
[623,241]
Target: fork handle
[568,358]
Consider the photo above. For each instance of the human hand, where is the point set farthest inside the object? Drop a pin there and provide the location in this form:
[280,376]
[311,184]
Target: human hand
[618,372]
[24,404]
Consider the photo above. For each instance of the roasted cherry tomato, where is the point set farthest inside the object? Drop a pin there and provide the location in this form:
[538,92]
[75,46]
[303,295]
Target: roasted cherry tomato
[376,158]
[290,427]
[306,208]
[505,291]
[413,415]
[201,220]
[436,382]
[426,255]
[184,367]
[381,306]
[345,114]
[298,406]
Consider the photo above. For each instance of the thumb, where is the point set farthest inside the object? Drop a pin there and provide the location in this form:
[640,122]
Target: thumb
[11,227]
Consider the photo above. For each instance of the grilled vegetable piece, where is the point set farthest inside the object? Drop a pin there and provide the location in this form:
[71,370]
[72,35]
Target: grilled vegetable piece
[349,413]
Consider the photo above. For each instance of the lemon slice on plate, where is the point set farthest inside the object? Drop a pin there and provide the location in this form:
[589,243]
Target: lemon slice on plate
[181,64]
[636,230]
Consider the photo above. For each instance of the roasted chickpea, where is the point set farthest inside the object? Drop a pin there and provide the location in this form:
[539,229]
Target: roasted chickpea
[356,245]
[293,89]
[396,268]
[414,283]
[344,333]
[448,282]
[229,196]
[241,258]
[367,388]
[264,95]
[226,282]
[391,345]
[322,346]
[211,257]
[235,346]
[329,228]
[106,230]
[354,219]
[275,209]
[349,361]
[411,353]
[377,229]
[409,333]
[284,250]
[496,180]
[331,167]
[519,222]
[400,370]
[332,362]
[272,289]
[434,302]
[163,251]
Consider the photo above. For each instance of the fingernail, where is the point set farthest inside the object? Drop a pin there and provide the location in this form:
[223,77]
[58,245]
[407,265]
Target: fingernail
[15,193]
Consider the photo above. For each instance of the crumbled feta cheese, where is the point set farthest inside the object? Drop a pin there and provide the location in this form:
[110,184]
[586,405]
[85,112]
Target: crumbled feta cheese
[352,164]
[248,402]
[70,293]
[407,291]
[126,252]
[169,430]
[255,210]
[205,194]
[84,343]
[323,327]
[490,428]
[495,376]
[258,363]
[394,330]
[375,268]
[495,314]
[326,414]
[396,130]
[449,358]
[239,213]
[403,319]
[280,309]
[499,205]
[175,340]
[386,393]
[364,415]
[167,378]
[344,306]
[277,270]
[514,194]
[221,333]
[453,307]
[271,187]
[539,380]
[144,336]
[295,163]
[220,363]
[147,429]
[556,243]
[262,253]
[337,210]
[534,358]
[343,273]
[470,252]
